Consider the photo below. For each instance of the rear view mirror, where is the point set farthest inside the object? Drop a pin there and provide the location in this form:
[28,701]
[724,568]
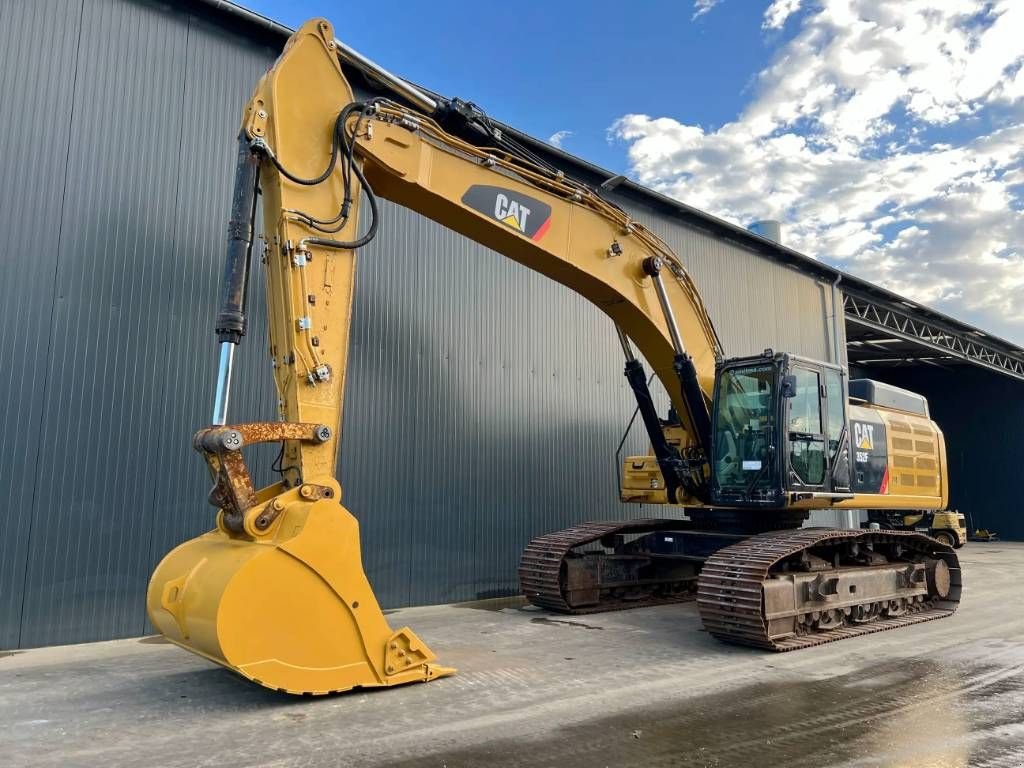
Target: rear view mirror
[789,385]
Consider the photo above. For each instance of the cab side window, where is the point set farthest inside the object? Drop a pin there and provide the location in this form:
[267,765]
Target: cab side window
[806,436]
[805,407]
[835,411]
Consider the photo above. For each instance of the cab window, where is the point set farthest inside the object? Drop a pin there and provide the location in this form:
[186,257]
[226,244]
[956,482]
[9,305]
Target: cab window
[743,432]
[806,438]
[835,410]
[805,407]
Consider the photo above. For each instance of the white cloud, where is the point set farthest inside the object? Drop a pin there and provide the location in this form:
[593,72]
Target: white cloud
[888,136]
[556,138]
[700,7]
[776,14]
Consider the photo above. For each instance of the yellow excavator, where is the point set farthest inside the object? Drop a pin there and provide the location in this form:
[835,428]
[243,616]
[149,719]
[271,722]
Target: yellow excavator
[277,592]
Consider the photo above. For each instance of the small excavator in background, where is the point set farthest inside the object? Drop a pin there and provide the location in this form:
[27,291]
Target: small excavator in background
[748,447]
[947,526]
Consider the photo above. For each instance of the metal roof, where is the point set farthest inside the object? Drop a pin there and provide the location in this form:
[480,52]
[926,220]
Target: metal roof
[872,309]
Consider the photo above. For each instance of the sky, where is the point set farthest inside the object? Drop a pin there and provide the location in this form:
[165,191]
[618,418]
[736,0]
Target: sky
[886,135]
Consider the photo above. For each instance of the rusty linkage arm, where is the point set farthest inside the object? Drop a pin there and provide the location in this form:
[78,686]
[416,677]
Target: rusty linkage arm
[233,490]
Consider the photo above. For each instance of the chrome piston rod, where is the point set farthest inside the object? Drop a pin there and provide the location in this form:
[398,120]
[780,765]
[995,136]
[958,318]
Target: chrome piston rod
[627,349]
[410,92]
[223,393]
[654,270]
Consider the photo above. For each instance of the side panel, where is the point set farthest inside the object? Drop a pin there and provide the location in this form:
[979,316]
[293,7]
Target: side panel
[870,451]
[915,465]
[899,461]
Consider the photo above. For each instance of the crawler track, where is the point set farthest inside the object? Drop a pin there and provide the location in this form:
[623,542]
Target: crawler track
[730,593]
[540,568]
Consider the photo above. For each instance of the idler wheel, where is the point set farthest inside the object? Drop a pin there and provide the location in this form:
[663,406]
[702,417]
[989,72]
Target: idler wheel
[938,578]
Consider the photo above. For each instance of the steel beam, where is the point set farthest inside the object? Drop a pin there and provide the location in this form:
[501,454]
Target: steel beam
[884,318]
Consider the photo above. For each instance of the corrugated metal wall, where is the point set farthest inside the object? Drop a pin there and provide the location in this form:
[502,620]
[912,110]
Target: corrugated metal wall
[484,403]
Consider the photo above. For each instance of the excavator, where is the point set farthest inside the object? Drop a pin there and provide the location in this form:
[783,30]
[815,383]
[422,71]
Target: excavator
[747,448]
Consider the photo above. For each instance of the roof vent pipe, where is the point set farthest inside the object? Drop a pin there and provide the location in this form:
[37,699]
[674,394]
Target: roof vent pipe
[770,229]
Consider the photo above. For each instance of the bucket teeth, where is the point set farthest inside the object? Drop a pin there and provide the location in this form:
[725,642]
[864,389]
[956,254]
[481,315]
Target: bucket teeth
[407,654]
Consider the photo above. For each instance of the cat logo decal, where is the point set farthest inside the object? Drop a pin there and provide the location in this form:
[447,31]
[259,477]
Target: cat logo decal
[526,215]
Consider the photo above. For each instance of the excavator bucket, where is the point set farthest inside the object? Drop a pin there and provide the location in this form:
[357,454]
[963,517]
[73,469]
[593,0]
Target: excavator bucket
[291,610]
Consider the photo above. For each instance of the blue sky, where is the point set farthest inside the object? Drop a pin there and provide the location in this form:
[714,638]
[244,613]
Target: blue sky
[559,66]
[886,135]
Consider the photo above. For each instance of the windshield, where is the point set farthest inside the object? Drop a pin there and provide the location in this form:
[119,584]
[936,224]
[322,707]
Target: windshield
[743,427]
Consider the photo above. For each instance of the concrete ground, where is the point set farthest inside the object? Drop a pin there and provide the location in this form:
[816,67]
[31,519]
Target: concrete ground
[644,687]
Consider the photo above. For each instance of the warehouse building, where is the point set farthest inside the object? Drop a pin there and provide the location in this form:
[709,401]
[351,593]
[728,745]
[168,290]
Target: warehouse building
[484,404]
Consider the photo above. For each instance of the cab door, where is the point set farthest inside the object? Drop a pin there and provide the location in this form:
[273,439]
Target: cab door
[807,445]
[817,436]
[837,430]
